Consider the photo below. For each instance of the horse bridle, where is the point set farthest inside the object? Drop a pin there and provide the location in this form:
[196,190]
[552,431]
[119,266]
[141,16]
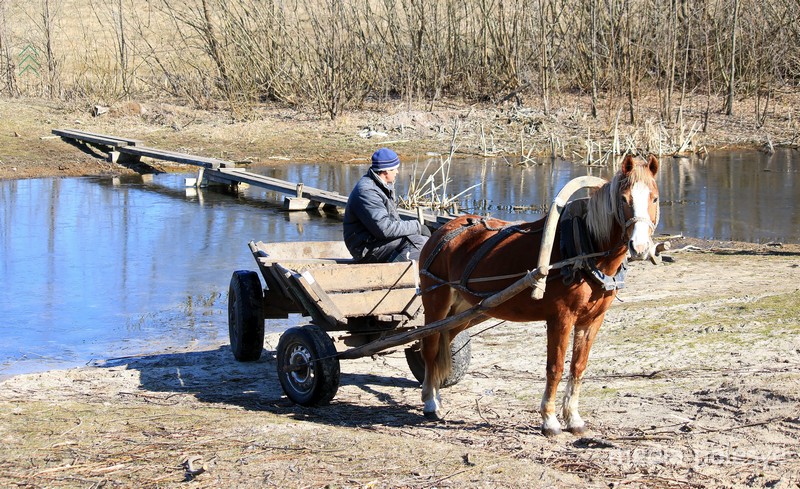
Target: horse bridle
[620,217]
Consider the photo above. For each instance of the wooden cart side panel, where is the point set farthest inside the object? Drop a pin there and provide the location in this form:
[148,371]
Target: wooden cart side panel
[358,277]
[299,294]
[378,302]
[322,301]
[299,250]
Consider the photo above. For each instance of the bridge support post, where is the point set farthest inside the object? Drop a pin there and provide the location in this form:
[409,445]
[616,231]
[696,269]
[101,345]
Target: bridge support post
[118,157]
[300,203]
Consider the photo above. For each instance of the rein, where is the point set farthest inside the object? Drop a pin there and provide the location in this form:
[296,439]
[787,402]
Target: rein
[460,284]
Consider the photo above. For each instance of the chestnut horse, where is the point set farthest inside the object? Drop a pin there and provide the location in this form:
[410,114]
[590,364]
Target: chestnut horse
[620,216]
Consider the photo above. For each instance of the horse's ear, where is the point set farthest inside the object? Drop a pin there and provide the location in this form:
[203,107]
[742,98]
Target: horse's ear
[652,164]
[627,164]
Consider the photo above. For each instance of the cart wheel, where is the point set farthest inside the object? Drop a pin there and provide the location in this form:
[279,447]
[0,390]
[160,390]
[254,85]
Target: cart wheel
[460,350]
[245,321]
[307,365]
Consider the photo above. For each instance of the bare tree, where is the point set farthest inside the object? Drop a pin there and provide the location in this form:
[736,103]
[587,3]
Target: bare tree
[7,66]
[49,11]
[594,55]
[732,73]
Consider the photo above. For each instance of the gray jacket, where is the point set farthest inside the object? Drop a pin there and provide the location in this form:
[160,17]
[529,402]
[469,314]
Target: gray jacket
[371,218]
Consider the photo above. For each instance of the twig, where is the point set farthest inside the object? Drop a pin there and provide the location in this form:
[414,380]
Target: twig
[447,477]
[480,413]
[748,425]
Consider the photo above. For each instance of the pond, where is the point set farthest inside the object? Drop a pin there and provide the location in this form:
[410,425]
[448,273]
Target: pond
[97,268]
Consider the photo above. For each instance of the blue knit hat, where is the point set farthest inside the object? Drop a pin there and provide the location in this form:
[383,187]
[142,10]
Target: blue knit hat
[384,159]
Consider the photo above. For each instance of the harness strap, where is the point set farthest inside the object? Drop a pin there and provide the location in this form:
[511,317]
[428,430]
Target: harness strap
[446,239]
[576,243]
[485,248]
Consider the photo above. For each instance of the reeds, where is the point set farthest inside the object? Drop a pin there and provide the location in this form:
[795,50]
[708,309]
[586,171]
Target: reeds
[429,190]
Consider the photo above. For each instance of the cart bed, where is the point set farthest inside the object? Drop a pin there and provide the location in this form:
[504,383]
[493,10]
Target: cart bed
[319,279]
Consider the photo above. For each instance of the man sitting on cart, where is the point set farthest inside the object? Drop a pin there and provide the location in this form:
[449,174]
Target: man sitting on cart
[373,229]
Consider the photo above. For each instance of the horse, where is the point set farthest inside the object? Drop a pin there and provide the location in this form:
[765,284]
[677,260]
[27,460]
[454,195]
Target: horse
[470,258]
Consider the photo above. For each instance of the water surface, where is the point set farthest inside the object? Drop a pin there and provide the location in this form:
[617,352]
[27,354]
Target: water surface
[95,268]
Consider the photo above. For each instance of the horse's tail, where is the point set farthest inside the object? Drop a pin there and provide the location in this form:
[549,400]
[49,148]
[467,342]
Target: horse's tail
[443,364]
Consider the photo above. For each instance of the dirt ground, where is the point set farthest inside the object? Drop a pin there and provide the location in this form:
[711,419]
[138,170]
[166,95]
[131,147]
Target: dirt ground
[694,380]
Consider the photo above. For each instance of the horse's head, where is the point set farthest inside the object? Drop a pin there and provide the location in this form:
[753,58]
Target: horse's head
[637,207]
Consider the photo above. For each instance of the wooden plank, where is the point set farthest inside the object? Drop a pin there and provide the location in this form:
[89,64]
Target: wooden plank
[129,141]
[243,176]
[359,277]
[329,309]
[223,171]
[299,265]
[159,154]
[331,199]
[303,250]
[93,138]
[376,302]
[300,204]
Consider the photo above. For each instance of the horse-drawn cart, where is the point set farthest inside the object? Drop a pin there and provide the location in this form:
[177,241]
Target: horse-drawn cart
[373,308]
[347,305]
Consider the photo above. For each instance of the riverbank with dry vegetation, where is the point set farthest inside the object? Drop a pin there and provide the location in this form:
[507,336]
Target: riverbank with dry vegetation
[260,82]
[514,134]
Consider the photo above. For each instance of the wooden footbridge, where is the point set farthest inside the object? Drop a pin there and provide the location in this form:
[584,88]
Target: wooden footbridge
[299,197]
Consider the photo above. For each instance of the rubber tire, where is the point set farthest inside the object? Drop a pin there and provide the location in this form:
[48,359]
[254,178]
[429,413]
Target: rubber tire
[245,319]
[315,385]
[460,351]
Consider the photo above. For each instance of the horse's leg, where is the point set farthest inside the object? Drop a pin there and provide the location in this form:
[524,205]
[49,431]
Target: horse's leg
[438,304]
[582,341]
[430,388]
[557,342]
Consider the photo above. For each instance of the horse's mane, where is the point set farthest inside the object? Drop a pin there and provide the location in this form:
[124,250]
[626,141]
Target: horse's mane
[602,208]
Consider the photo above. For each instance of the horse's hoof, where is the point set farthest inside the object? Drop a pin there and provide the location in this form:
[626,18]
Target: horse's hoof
[577,430]
[551,432]
[432,415]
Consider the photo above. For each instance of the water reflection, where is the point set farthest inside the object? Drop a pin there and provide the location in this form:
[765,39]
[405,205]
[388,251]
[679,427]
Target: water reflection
[742,196]
[98,268]
[94,269]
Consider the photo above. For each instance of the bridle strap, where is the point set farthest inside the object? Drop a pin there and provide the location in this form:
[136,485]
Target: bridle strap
[633,220]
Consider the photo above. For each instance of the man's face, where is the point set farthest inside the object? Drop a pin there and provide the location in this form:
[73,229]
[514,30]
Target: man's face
[389,176]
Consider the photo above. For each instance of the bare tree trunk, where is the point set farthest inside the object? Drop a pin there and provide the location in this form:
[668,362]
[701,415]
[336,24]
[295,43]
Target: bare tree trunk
[673,55]
[544,63]
[731,78]
[6,59]
[122,46]
[212,42]
[685,75]
[48,15]
[594,57]
[708,82]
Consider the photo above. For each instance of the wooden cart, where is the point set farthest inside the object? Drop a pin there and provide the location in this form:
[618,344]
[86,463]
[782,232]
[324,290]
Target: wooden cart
[369,308]
[347,305]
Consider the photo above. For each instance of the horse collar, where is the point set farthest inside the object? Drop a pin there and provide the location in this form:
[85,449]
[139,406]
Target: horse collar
[576,242]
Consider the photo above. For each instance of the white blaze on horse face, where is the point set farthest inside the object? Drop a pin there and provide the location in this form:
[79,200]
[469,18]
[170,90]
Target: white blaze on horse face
[640,237]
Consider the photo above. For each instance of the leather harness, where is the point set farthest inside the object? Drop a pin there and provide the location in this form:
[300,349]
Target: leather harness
[575,242]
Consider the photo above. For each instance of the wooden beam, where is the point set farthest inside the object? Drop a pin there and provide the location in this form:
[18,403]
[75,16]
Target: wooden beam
[94,138]
[160,154]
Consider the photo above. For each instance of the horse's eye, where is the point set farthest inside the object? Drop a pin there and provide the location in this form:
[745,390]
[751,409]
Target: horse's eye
[655,200]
